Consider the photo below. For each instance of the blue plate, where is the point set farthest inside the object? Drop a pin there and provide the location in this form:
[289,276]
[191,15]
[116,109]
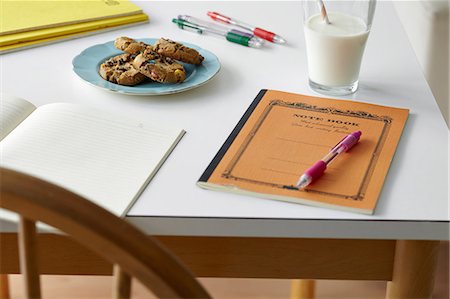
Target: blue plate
[87,64]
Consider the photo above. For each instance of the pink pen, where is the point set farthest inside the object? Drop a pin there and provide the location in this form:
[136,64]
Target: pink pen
[319,167]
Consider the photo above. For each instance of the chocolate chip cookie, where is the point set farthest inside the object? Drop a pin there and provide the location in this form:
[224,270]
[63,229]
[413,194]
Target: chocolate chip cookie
[130,45]
[120,70]
[159,68]
[174,50]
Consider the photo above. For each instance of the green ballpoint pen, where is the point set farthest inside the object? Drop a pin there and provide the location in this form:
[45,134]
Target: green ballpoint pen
[230,36]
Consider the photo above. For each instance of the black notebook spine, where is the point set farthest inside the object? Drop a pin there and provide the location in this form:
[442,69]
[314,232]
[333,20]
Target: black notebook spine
[218,157]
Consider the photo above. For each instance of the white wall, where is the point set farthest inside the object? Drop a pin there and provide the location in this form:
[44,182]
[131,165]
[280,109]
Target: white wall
[427,25]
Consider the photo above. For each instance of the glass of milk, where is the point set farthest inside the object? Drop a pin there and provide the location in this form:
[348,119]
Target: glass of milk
[335,49]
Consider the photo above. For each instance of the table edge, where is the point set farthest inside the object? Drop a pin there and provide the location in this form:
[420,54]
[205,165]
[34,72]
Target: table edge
[292,228]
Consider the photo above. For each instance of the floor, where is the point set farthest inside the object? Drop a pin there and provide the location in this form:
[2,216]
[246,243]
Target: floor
[99,287]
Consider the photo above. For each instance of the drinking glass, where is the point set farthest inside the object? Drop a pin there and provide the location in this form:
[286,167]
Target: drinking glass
[335,49]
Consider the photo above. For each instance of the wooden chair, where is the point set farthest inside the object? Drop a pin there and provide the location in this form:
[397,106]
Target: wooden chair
[133,253]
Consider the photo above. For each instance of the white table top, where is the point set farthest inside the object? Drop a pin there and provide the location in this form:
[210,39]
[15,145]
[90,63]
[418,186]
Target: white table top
[414,200]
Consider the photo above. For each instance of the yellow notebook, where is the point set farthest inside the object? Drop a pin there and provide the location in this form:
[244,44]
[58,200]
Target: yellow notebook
[283,134]
[19,16]
[138,19]
[41,34]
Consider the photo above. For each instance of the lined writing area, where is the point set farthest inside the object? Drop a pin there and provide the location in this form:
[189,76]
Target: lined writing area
[13,111]
[298,163]
[104,158]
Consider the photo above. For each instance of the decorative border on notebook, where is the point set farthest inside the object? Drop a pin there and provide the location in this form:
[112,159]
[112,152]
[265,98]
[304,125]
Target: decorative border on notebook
[224,148]
[327,110]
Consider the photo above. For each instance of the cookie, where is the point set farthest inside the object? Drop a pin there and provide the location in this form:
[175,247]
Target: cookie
[120,70]
[159,68]
[130,45]
[174,50]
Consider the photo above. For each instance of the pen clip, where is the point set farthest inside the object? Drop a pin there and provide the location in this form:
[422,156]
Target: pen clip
[188,26]
[347,142]
[218,17]
[192,29]
[334,147]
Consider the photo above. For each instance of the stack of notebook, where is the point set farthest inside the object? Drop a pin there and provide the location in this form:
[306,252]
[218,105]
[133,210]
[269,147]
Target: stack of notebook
[25,24]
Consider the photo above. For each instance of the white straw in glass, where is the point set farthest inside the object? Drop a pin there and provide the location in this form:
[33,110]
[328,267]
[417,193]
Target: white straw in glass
[323,11]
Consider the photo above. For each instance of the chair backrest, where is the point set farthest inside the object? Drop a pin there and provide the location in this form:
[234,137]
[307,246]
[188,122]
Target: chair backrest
[137,254]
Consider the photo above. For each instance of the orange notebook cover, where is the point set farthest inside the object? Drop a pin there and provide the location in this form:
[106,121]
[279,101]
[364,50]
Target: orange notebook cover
[282,134]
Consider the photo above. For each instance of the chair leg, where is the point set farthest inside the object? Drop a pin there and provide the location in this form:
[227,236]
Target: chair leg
[4,286]
[303,289]
[121,284]
[414,269]
[28,258]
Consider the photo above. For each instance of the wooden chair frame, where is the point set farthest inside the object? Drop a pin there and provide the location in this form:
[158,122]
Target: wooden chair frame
[114,239]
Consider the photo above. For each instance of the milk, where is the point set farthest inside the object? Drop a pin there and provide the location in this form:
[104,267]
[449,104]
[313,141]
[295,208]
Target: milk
[335,50]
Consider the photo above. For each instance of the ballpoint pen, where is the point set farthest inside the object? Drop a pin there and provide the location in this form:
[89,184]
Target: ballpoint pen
[319,167]
[267,35]
[230,36]
[199,22]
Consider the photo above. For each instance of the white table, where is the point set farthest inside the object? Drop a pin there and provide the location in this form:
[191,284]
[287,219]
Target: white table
[414,201]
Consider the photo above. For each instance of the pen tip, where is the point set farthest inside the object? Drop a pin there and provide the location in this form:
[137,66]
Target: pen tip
[279,40]
[255,43]
[303,182]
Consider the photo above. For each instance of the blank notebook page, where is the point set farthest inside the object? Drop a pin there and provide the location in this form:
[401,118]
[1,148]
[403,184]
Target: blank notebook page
[101,157]
[13,111]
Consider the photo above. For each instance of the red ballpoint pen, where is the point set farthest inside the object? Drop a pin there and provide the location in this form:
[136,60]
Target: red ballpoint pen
[267,35]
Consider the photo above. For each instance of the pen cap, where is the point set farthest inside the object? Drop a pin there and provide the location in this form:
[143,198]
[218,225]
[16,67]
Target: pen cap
[350,140]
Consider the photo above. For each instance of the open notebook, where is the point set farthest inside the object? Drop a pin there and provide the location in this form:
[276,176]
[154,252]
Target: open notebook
[105,158]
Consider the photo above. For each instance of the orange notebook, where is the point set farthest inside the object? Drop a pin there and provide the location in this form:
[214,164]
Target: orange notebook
[282,134]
